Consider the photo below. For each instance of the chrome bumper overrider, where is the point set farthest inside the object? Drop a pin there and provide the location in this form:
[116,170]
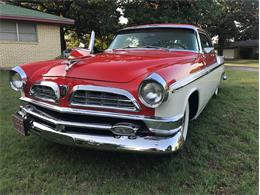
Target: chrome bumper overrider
[165,133]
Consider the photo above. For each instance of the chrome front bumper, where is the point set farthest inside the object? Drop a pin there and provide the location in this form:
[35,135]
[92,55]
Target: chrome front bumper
[165,133]
[149,144]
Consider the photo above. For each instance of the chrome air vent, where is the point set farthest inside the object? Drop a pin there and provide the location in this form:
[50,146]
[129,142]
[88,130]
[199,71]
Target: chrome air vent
[103,97]
[45,90]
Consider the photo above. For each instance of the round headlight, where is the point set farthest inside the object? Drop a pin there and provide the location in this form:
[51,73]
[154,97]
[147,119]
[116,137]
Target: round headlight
[151,94]
[16,82]
[17,78]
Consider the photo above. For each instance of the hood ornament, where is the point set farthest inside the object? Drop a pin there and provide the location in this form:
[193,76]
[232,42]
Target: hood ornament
[70,63]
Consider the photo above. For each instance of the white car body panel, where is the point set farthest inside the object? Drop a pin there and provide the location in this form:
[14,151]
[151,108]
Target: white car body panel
[205,85]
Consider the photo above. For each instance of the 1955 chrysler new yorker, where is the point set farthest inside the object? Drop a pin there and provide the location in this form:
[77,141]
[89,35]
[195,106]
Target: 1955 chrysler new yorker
[138,95]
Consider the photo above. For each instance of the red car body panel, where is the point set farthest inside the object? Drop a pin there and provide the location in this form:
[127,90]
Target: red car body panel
[121,66]
[124,69]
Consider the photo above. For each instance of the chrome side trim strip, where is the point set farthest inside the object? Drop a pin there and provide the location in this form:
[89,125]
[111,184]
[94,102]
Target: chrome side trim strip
[55,121]
[100,113]
[148,144]
[182,83]
[110,90]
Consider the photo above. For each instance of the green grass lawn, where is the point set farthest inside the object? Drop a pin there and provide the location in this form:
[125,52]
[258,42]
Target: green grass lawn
[244,62]
[219,157]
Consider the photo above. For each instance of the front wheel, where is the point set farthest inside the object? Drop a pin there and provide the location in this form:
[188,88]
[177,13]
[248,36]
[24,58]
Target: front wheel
[185,123]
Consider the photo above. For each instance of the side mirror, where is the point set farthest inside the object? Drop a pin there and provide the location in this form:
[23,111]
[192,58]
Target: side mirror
[208,49]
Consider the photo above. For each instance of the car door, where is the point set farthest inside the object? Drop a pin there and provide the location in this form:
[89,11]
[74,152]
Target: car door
[209,55]
[210,81]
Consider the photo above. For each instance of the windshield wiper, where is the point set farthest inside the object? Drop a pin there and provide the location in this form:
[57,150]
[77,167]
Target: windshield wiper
[127,47]
[145,46]
[155,47]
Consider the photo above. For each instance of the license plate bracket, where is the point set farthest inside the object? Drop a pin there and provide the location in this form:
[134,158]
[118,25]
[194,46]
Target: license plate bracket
[20,124]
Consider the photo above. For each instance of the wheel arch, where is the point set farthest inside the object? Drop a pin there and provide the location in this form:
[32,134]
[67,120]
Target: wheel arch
[193,101]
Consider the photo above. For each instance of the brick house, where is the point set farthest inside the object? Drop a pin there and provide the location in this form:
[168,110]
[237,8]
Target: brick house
[248,49]
[28,35]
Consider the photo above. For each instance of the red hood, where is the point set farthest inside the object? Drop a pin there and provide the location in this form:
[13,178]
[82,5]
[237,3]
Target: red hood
[121,66]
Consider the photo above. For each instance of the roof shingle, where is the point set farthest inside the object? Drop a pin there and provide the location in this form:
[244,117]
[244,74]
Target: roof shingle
[239,44]
[12,12]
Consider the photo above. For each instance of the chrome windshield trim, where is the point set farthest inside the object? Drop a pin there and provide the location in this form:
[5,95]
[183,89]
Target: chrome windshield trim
[190,27]
[193,28]
[168,50]
[54,86]
[100,113]
[109,90]
[183,82]
[199,42]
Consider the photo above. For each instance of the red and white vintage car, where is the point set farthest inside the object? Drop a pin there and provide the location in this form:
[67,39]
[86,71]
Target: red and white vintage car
[138,95]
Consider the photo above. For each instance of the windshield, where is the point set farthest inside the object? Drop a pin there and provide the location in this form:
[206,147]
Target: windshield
[172,38]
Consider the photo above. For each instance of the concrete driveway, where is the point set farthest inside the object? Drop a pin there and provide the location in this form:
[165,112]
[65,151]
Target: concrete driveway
[242,68]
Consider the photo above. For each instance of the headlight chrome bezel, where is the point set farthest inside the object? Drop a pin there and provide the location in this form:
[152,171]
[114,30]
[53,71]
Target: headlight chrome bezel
[17,70]
[155,78]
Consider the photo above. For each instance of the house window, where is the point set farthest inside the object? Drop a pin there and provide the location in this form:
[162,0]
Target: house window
[18,31]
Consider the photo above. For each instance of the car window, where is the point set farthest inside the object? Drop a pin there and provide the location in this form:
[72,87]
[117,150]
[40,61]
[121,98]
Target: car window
[184,39]
[205,42]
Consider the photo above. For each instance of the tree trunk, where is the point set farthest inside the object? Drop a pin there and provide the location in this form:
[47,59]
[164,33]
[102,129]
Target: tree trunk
[62,39]
[221,42]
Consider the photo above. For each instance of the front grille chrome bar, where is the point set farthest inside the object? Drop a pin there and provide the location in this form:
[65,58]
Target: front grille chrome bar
[49,119]
[46,90]
[103,97]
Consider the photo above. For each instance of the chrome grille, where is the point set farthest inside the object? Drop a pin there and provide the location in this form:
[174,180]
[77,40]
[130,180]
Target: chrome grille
[103,97]
[45,91]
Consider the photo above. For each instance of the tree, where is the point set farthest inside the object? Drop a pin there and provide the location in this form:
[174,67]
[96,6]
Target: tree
[236,20]
[228,19]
